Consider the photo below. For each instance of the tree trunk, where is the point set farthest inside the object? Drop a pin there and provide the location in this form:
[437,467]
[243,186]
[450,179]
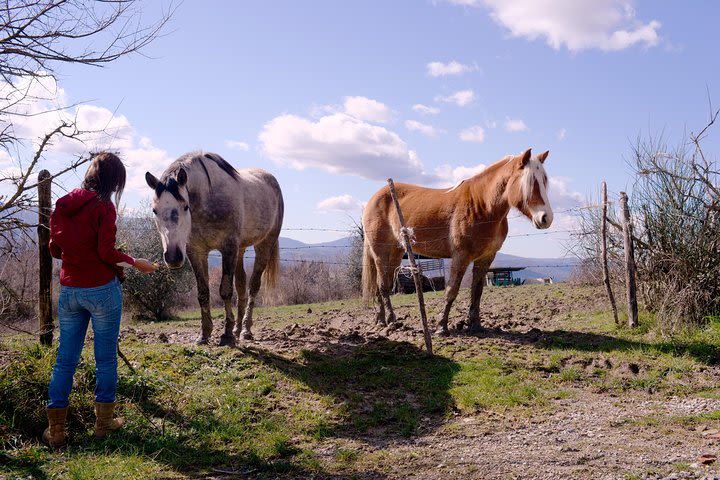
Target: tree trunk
[629,262]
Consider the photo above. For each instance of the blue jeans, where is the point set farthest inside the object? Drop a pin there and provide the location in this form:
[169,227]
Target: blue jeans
[76,306]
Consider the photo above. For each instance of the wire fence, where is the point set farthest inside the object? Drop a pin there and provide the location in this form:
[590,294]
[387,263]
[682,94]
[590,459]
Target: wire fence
[422,231]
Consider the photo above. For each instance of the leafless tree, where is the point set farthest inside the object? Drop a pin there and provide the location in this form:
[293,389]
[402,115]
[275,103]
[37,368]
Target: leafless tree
[585,244]
[37,37]
[675,211]
[18,286]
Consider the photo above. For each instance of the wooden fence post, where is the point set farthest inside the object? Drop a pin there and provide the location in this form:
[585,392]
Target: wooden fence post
[629,262]
[45,259]
[603,234]
[415,270]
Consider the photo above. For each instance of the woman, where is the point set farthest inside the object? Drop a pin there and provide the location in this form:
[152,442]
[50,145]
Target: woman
[82,234]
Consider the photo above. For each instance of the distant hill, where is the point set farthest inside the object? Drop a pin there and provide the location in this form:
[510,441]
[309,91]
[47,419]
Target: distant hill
[559,269]
[339,250]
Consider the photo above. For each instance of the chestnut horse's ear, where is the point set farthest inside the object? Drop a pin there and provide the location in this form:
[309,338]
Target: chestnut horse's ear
[543,156]
[182,177]
[525,158]
[151,180]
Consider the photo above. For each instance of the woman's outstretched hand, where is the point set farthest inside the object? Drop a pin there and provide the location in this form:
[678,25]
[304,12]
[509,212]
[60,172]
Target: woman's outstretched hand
[144,265]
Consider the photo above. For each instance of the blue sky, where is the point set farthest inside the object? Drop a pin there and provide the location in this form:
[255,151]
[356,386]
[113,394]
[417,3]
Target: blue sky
[325,95]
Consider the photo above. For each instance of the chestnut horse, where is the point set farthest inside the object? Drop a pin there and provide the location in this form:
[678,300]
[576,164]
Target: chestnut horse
[467,223]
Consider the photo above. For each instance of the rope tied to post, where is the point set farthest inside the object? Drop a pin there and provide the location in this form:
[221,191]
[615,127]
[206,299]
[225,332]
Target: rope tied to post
[407,234]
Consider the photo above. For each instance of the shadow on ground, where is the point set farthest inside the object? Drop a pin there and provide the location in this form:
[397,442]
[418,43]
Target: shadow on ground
[702,351]
[392,388]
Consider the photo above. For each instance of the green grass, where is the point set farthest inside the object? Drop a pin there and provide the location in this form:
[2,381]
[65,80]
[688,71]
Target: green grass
[192,410]
[491,383]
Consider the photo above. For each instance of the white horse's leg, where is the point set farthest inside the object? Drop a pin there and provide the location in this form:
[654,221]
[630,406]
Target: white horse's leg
[229,263]
[262,256]
[199,263]
[457,270]
[241,289]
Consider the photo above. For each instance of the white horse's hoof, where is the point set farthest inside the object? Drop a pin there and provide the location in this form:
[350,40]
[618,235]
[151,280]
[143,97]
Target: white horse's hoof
[442,332]
[202,340]
[246,335]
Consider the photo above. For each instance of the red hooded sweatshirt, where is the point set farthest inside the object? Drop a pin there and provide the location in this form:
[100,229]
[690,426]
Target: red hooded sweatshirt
[82,235]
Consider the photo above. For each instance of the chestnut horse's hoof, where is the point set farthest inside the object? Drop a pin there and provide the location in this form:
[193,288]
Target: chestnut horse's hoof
[202,340]
[475,328]
[227,340]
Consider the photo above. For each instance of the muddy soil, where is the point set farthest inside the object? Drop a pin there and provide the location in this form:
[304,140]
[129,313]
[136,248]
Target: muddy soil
[588,434]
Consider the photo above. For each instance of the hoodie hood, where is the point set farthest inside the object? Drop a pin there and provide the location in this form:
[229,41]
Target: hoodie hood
[74,201]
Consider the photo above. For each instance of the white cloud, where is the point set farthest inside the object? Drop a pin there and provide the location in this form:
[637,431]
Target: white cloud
[515,125]
[415,126]
[5,158]
[450,176]
[460,98]
[439,69]
[425,110]
[561,134]
[367,109]
[36,107]
[341,144]
[490,123]
[473,134]
[237,145]
[561,198]
[608,25]
[44,107]
[341,203]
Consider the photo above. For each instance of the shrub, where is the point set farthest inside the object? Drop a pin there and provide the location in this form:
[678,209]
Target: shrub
[157,294]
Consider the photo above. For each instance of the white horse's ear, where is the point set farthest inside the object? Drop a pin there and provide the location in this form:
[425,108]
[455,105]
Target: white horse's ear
[525,158]
[151,180]
[182,177]
[543,156]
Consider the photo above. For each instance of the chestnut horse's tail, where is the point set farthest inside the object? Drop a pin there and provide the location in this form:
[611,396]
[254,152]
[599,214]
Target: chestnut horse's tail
[369,273]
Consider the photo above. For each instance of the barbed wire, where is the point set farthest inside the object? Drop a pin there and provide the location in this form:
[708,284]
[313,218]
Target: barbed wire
[332,262]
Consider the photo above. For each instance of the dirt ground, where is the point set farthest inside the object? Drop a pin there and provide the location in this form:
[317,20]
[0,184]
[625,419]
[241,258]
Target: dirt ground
[590,432]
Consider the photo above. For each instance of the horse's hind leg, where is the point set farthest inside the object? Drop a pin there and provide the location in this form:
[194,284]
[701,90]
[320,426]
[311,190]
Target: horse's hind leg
[241,289]
[199,263]
[262,257]
[457,270]
[386,276]
[229,263]
[480,268]
[380,317]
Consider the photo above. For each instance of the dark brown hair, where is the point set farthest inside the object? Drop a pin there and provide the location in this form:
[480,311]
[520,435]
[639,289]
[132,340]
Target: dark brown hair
[106,176]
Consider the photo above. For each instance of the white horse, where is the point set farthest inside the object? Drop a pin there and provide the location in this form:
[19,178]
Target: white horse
[202,203]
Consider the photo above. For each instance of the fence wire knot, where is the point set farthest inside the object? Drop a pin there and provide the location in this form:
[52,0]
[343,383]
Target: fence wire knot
[407,233]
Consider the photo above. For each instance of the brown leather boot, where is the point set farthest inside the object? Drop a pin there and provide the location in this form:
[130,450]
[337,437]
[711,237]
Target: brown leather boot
[104,421]
[54,434]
